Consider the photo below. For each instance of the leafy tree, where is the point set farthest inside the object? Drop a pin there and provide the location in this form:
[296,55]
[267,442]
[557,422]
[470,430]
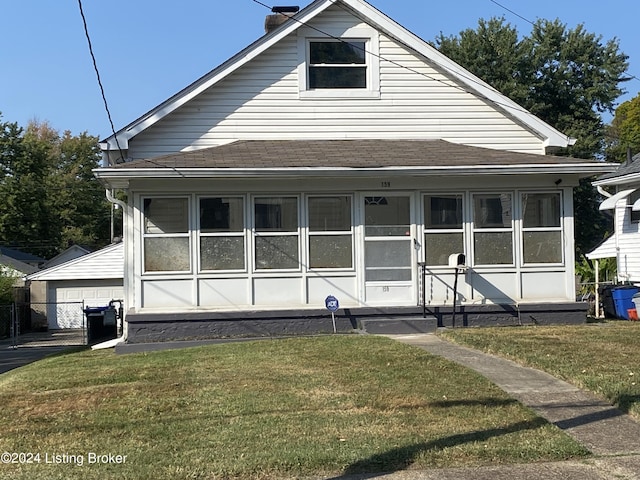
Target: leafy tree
[6,288]
[624,131]
[566,77]
[51,199]
[25,213]
[81,203]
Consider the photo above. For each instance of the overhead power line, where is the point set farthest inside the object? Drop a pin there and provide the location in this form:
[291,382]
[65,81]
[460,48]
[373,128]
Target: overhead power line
[95,67]
[630,76]
[515,108]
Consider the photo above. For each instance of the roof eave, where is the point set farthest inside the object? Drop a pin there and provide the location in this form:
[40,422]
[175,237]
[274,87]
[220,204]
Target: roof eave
[213,77]
[121,177]
[621,180]
[550,136]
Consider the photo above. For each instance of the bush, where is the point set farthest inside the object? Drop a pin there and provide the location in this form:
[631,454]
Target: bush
[6,288]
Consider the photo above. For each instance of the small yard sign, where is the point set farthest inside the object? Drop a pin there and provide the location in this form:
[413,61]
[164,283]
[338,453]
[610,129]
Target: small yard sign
[332,305]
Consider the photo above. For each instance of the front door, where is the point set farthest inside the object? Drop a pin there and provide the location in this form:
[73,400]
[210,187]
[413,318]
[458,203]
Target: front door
[388,250]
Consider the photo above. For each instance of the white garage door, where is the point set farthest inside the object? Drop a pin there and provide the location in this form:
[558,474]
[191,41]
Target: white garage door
[70,295]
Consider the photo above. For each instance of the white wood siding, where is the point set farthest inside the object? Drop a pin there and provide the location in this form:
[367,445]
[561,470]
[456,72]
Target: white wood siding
[261,101]
[629,243]
[105,263]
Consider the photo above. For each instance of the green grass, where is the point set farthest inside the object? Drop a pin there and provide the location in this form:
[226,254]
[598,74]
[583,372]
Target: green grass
[603,358]
[268,409]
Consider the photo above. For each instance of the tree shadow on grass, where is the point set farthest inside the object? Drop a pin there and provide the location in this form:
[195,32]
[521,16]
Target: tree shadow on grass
[403,457]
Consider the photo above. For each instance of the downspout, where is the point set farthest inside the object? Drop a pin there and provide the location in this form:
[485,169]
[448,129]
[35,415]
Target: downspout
[123,205]
[112,343]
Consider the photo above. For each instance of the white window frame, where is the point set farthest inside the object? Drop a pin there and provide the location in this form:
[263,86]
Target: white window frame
[146,235]
[634,215]
[337,233]
[431,231]
[242,234]
[525,230]
[476,230]
[255,234]
[369,36]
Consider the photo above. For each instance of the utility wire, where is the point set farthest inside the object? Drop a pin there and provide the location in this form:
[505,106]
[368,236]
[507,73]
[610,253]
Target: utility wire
[393,62]
[417,72]
[95,67]
[104,97]
[512,12]
[629,75]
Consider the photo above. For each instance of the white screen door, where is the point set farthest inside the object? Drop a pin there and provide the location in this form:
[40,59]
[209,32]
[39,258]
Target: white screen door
[388,249]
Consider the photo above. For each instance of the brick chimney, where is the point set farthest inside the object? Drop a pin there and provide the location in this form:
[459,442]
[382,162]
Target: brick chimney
[280,15]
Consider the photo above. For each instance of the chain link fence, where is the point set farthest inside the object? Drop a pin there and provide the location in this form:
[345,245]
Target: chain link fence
[43,324]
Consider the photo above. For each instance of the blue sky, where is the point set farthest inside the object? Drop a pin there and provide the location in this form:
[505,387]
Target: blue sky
[147,50]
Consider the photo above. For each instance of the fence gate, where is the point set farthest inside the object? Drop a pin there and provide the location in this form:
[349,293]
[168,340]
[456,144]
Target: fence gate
[43,324]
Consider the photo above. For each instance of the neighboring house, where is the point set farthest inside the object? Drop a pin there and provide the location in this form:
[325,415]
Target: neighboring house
[331,157]
[17,264]
[9,255]
[61,292]
[74,251]
[624,201]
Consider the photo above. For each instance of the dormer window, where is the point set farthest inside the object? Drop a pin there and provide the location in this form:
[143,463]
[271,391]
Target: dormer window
[337,64]
[345,64]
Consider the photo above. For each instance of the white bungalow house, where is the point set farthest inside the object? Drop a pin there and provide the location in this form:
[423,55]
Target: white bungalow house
[623,199]
[338,155]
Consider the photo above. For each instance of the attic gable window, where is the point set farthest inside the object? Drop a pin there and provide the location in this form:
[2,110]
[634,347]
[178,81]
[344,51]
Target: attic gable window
[337,64]
[345,64]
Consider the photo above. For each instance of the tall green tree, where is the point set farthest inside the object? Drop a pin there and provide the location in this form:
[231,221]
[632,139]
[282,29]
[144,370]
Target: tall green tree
[25,213]
[566,77]
[624,132]
[81,203]
[50,198]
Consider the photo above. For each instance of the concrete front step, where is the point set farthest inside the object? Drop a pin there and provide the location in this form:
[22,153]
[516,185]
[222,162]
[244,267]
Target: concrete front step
[399,325]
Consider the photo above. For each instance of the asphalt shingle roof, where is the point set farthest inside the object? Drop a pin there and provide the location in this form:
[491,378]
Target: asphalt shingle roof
[345,154]
[626,168]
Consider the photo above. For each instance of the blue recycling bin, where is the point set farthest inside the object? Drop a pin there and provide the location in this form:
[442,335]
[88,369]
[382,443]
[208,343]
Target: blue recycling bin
[623,300]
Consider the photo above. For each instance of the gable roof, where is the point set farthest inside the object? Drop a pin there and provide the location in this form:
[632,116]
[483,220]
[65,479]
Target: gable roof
[105,263]
[628,172]
[369,14]
[12,265]
[20,256]
[74,251]
[246,158]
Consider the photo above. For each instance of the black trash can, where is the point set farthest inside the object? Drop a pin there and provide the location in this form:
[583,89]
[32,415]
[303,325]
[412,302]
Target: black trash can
[101,324]
[606,299]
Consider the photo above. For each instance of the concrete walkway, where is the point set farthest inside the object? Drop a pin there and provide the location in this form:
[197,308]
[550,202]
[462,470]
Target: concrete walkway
[612,436]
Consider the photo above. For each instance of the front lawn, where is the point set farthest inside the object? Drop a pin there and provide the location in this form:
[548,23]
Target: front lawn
[601,357]
[269,409]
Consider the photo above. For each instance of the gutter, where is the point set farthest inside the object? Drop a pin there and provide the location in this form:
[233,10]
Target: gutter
[114,200]
[603,192]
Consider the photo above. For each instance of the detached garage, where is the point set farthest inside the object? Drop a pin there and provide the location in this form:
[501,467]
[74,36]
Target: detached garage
[92,280]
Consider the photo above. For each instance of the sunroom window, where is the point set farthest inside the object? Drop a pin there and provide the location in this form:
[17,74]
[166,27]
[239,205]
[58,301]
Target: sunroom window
[335,64]
[493,229]
[166,234]
[541,228]
[276,240]
[330,232]
[443,228]
[222,239]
